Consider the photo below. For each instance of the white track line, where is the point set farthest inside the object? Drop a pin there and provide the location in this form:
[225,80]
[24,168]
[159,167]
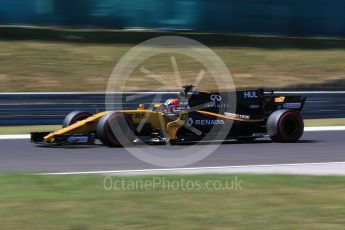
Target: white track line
[324,168]
[13,137]
[306,129]
[324,128]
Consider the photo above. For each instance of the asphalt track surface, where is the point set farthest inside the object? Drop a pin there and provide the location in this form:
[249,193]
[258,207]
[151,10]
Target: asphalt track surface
[314,147]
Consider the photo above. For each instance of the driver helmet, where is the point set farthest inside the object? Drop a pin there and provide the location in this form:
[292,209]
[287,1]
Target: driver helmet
[171,104]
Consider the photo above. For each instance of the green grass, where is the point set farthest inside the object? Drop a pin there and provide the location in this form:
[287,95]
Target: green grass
[325,122]
[26,129]
[81,202]
[42,59]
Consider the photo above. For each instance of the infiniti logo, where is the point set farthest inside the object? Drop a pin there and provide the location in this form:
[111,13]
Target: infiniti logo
[215,97]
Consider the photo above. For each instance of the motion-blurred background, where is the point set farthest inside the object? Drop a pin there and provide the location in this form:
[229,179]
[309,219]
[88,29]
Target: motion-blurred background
[73,45]
[62,45]
[288,17]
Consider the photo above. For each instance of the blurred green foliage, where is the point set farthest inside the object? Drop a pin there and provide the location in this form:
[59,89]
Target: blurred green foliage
[289,17]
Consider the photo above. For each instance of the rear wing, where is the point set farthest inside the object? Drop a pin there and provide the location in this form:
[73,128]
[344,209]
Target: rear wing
[293,102]
[264,96]
[263,102]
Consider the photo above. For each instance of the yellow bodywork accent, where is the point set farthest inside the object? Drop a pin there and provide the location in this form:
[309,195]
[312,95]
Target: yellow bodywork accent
[84,126]
[174,126]
[229,118]
[279,99]
[156,118]
[141,107]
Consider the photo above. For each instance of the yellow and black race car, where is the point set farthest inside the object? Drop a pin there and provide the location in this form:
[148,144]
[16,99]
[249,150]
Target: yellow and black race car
[192,117]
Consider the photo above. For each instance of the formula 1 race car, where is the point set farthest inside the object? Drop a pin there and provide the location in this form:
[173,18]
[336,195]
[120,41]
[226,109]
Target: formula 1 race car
[191,117]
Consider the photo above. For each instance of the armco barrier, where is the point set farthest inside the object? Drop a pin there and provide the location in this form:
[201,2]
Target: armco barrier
[51,108]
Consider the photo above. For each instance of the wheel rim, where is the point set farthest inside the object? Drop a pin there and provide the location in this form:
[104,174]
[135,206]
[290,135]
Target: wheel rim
[291,126]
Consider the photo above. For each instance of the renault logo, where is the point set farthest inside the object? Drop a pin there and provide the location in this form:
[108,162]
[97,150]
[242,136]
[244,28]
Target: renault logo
[190,121]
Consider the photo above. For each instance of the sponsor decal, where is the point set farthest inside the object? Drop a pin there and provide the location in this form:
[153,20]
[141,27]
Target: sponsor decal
[254,106]
[136,115]
[78,139]
[215,97]
[279,99]
[250,94]
[237,115]
[295,105]
[190,122]
[221,106]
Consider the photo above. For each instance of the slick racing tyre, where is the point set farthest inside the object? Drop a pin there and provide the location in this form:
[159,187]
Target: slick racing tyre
[75,116]
[107,135]
[285,126]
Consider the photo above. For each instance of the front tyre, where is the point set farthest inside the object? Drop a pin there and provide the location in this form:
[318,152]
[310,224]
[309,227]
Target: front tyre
[110,125]
[285,126]
[74,117]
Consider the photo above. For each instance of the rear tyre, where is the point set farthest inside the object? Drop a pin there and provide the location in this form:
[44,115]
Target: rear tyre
[285,126]
[75,116]
[108,135]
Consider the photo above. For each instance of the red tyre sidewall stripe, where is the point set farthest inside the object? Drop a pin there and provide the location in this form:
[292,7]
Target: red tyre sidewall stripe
[282,120]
